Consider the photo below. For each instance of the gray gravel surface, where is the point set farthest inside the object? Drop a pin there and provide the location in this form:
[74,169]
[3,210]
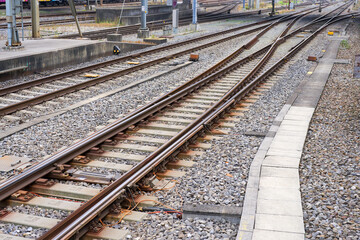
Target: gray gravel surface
[45,138]
[330,170]
[168,227]
[220,174]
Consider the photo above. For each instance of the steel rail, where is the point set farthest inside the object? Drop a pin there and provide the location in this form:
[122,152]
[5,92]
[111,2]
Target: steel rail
[54,15]
[10,186]
[125,185]
[158,24]
[16,183]
[57,93]
[58,76]
[49,22]
[154,25]
[73,223]
[48,96]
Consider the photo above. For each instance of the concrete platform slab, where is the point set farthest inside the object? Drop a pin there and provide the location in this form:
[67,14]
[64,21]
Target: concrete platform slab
[292,224]
[281,161]
[279,182]
[287,146]
[274,235]
[278,213]
[37,46]
[279,172]
[279,207]
[293,128]
[285,153]
[291,194]
[44,54]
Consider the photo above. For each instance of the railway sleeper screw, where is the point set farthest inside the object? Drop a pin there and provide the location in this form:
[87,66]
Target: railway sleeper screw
[111,142]
[4,212]
[44,182]
[115,208]
[62,167]
[133,128]
[95,226]
[81,159]
[22,196]
[184,148]
[96,150]
[121,135]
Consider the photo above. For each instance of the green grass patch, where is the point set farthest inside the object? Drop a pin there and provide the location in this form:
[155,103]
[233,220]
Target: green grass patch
[345,44]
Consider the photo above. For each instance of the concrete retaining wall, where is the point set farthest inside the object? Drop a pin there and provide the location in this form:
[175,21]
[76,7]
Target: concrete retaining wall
[62,58]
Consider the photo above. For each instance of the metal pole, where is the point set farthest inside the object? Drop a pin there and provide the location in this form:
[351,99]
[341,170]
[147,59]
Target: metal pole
[22,20]
[9,21]
[35,19]
[273,8]
[73,11]
[243,4]
[143,13]
[257,4]
[194,17]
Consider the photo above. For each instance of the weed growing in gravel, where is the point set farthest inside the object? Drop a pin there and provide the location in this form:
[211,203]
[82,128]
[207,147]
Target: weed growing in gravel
[345,44]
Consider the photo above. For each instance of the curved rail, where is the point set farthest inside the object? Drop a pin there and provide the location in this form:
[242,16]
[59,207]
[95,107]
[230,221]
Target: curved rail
[90,210]
[45,97]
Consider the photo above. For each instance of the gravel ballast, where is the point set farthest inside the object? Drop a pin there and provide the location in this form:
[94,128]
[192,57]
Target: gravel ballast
[330,162]
[220,176]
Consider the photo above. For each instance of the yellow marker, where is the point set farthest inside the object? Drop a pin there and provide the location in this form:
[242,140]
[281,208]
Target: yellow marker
[309,73]
[323,50]
[133,63]
[330,33]
[90,75]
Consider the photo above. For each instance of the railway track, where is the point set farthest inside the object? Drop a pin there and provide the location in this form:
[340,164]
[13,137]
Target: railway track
[154,135]
[155,25]
[20,96]
[82,16]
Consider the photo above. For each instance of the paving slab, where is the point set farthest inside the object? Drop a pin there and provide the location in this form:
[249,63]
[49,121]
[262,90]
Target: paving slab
[291,194]
[281,161]
[285,153]
[281,223]
[279,207]
[279,182]
[278,212]
[274,235]
[296,146]
[279,172]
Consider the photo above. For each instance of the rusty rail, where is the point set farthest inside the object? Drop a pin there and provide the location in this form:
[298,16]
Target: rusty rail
[90,210]
[45,97]
[8,187]
[16,183]
[111,193]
